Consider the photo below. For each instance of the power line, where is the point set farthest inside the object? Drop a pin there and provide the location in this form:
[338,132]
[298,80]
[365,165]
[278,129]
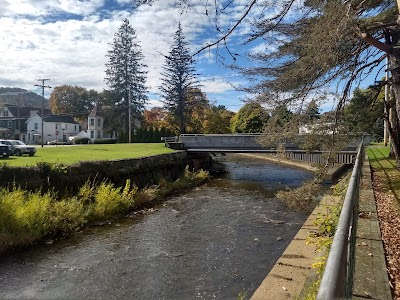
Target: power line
[42,116]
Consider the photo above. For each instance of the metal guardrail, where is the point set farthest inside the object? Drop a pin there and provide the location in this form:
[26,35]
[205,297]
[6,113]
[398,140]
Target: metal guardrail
[337,280]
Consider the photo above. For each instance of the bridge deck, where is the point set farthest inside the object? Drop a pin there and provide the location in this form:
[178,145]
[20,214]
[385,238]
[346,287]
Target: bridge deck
[250,143]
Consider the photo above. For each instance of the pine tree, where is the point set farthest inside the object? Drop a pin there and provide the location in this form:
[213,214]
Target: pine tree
[126,74]
[178,79]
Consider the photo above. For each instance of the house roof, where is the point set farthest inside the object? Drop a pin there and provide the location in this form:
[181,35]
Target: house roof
[25,111]
[97,111]
[59,119]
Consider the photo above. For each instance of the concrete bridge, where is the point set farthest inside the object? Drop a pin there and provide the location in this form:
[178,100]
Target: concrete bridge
[249,143]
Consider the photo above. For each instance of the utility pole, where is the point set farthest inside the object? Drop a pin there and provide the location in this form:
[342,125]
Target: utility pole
[19,120]
[385,125]
[43,86]
[129,116]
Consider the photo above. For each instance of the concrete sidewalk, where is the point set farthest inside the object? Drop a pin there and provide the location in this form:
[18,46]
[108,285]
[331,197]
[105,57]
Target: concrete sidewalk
[370,275]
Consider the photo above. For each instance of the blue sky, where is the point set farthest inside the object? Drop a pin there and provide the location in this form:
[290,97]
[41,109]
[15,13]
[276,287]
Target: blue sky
[67,41]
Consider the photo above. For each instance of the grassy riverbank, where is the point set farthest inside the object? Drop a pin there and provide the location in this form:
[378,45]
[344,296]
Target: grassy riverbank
[68,155]
[26,217]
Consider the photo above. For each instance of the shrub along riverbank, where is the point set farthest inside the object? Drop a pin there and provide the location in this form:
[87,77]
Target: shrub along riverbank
[29,217]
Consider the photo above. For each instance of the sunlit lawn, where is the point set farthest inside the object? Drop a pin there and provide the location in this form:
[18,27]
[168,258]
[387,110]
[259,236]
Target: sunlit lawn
[384,168]
[68,155]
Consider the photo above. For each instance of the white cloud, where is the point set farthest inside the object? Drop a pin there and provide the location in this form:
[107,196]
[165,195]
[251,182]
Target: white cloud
[73,51]
[154,103]
[49,7]
[215,84]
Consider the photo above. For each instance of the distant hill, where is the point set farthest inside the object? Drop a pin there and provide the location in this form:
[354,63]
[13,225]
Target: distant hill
[26,98]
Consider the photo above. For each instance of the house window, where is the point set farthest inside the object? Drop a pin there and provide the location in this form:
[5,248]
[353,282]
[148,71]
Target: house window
[92,134]
[91,122]
[1,123]
[5,113]
[36,125]
[99,134]
[29,136]
[98,122]
[9,124]
[74,127]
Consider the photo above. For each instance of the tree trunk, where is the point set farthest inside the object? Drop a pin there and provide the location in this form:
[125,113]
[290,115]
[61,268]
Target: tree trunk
[394,67]
[181,110]
[394,130]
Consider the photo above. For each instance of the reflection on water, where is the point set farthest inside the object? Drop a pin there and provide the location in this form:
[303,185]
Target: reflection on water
[211,243]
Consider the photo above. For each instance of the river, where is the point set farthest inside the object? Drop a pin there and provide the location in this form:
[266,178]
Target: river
[214,242]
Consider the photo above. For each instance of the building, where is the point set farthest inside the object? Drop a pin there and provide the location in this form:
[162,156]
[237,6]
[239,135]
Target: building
[95,126]
[13,120]
[55,127]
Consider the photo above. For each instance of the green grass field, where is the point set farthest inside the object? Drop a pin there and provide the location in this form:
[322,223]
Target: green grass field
[68,155]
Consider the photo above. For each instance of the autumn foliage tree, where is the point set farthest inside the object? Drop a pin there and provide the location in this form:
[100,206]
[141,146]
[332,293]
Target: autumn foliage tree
[74,100]
[155,117]
[202,116]
[217,120]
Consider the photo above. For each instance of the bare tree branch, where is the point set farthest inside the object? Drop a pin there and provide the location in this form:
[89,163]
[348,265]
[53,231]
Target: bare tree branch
[226,35]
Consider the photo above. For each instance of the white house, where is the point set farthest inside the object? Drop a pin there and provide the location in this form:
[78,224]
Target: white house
[317,128]
[55,127]
[95,124]
[13,120]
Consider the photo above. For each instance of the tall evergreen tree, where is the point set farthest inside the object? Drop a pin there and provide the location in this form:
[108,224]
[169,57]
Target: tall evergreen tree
[126,74]
[178,79]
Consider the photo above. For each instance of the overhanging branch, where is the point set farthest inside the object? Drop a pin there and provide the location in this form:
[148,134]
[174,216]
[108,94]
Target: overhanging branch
[253,2]
[377,44]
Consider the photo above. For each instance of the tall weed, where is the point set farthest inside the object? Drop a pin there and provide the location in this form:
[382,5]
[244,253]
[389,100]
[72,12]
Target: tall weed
[26,217]
[67,215]
[110,201]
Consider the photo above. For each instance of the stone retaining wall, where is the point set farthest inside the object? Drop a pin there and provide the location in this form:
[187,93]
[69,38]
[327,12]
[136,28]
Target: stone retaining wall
[141,171]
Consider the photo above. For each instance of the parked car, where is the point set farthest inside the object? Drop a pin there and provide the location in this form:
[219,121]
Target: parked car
[21,148]
[55,142]
[10,146]
[4,151]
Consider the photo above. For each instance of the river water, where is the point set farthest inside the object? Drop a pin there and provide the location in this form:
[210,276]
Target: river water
[214,242]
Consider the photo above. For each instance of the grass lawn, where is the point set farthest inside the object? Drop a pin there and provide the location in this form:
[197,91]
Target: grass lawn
[68,155]
[384,167]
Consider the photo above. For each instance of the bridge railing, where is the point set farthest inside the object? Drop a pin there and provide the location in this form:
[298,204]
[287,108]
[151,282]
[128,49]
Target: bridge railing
[337,280]
[169,139]
[320,157]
